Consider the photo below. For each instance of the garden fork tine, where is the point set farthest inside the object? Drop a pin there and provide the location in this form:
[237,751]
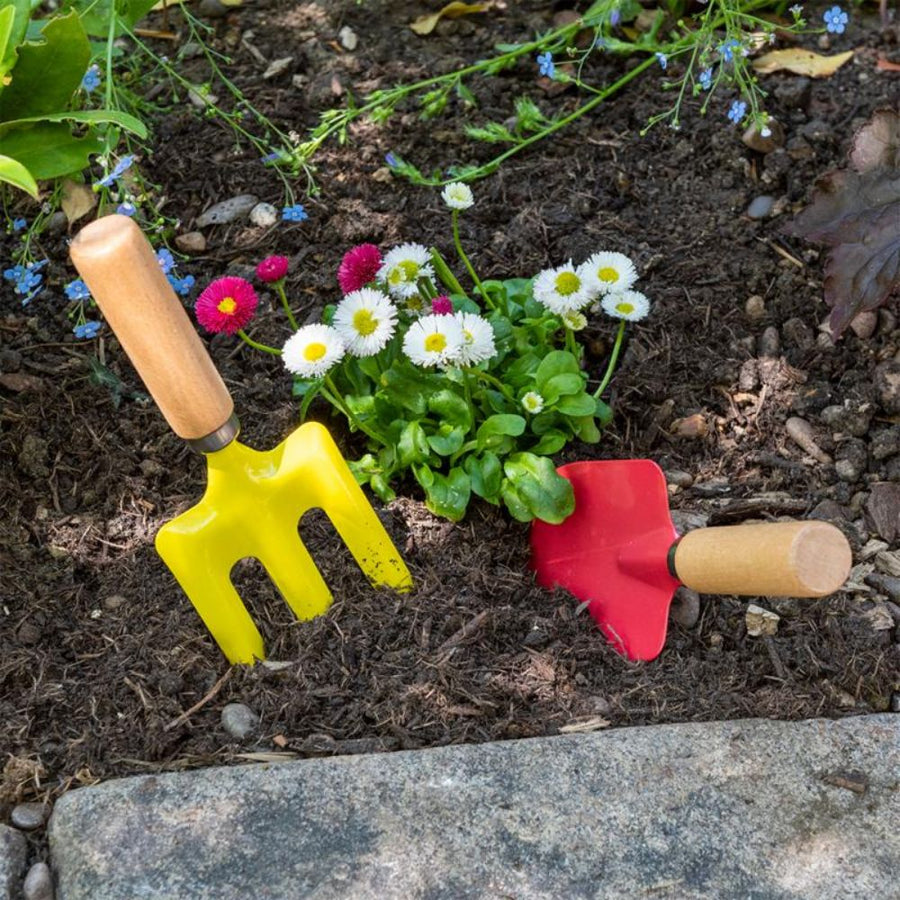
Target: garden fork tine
[254,499]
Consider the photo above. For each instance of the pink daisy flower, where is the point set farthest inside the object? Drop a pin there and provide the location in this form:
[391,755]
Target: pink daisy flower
[442,305]
[359,267]
[272,268]
[227,304]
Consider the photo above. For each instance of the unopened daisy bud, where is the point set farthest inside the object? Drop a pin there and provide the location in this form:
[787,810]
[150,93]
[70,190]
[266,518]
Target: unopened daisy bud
[629,305]
[312,351]
[533,402]
[458,196]
[574,320]
[272,269]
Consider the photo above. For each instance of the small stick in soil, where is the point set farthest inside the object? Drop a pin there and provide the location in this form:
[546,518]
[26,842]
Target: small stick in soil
[200,703]
[467,631]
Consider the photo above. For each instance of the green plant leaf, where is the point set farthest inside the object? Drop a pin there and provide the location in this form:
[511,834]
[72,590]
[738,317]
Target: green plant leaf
[50,150]
[452,408]
[532,484]
[447,440]
[551,442]
[604,413]
[448,495]
[556,362]
[494,430]
[577,405]
[410,388]
[95,14]
[587,430]
[15,16]
[485,475]
[413,445]
[562,385]
[47,73]
[14,173]
[88,117]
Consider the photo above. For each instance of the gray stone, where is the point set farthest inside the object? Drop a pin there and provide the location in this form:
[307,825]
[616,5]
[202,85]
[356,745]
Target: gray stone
[685,608]
[760,207]
[887,383]
[38,883]
[756,808]
[851,459]
[13,853]
[885,443]
[227,211]
[29,816]
[278,67]
[264,215]
[239,720]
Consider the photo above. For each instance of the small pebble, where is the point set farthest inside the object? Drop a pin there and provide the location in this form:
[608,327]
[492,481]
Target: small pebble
[278,67]
[348,39]
[764,143]
[239,720]
[851,459]
[691,427]
[680,478]
[863,324]
[760,622]
[887,383]
[755,307]
[685,608]
[29,816]
[114,601]
[191,242]
[770,342]
[885,443]
[760,207]
[38,883]
[264,215]
[213,9]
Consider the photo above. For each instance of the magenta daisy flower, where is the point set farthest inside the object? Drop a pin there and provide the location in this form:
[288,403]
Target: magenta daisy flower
[359,267]
[442,305]
[227,304]
[272,268]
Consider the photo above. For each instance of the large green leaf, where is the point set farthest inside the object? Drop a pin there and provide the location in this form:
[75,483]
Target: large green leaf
[84,117]
[556,362]
[494,431]
[49,150]
[14,17]
[447,439]
[485,475]
[413,445]
[14,173]
[95,14]
[448,495]
[534,489]
[577,405]
[48,73]
[452,408]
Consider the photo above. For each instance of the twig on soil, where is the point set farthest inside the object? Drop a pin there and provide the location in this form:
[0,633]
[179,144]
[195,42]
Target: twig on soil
[468,630]
[782,252]
[200,703]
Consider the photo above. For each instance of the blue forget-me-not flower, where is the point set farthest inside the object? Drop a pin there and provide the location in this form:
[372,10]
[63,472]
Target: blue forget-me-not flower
[295,213]
[835,20]
[738,111]
[121,167]
[545,64]
[662,59]
[706,79]
[77,290]
[91,80]
[86,330]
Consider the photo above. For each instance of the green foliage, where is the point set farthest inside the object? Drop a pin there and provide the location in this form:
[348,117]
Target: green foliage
[42,77]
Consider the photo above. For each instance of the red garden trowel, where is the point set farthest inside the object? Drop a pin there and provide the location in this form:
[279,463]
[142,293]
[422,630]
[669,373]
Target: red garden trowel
[620,553]
[254,500]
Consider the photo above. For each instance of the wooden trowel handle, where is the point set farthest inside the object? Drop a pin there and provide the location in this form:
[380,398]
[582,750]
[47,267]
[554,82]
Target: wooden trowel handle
[121,271]
[781,559]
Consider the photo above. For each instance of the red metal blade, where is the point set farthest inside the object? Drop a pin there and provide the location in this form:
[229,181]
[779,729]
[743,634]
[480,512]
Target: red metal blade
[612,551]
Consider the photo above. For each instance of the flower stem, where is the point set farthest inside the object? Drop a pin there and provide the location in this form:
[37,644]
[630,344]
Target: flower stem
[465,259]
[333,396]
[279,286]
[257,346]
[494,382]
[611,365]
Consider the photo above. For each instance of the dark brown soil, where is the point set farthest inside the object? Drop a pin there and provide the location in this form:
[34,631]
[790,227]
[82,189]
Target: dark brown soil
[101,653]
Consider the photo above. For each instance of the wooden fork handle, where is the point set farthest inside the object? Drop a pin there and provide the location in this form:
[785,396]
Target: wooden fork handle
[780,559]
[122,272]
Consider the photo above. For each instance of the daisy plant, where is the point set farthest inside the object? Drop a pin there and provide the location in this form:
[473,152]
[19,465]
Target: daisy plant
[470,392]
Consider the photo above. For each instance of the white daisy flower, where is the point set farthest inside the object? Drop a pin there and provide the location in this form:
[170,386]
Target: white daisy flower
[458,196]
[403,266]
[478,337]
[313,350]
[574,320]
[366,320]
[607,271]
[433,340]
[533,402]
[563,289]
[630,305]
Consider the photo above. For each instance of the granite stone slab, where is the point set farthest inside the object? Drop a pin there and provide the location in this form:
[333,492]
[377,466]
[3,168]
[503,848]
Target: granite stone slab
[751,809]
[13,855]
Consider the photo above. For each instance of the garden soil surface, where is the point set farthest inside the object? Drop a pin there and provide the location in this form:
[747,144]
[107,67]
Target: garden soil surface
[105,669]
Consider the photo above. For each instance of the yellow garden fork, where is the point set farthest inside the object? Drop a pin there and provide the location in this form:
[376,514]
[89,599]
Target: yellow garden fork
[254,500]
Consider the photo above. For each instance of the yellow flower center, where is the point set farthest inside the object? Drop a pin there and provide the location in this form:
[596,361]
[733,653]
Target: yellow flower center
[608,273]
[227,305]
[567,283]
[435,343]
[470,338]
[625,308]
[364,322]
[314,351]
[404,272]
